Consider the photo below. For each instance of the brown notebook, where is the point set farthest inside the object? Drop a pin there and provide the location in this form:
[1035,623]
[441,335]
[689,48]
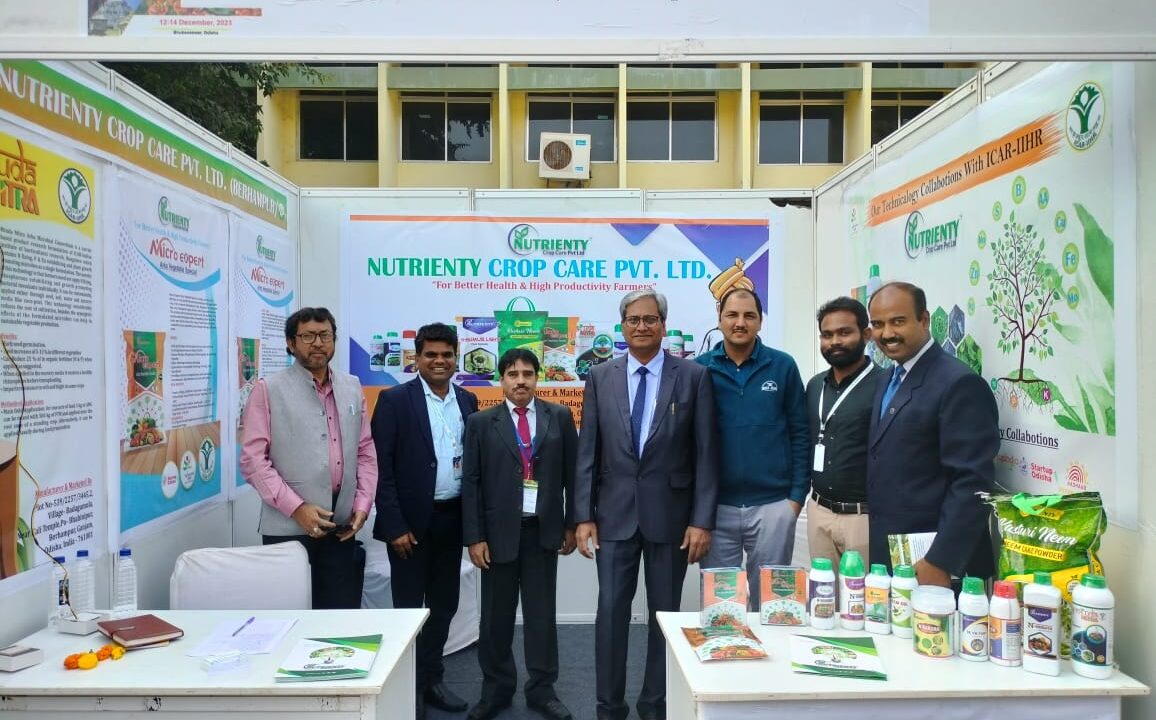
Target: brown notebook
[140,631]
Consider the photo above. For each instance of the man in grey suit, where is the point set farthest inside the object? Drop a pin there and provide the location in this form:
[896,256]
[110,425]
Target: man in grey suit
[646,486]
[516,480]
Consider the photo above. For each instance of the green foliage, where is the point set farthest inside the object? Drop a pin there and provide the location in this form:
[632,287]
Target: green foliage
[1101,254]
[217,96]
[971,354]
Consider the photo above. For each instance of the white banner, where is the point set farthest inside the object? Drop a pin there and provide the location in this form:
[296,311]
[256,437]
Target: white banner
[264,276]
[167,283]
[52,413]
[1019,222]
[550,284]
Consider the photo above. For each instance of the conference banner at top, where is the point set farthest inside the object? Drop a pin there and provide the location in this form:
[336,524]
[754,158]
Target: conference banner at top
[1019,221]
[548,284]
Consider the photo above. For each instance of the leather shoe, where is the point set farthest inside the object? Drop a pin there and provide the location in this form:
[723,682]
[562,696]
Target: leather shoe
[551,709]
[649,712]
[486,709]
[441,697]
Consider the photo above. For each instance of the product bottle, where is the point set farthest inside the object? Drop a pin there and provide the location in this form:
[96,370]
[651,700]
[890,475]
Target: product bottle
[124,595]
[1005,626]
[851,586]
[973,614]
[877,593]
[688,346]
[83,586]
[901,586]
[821,594]
[392,352]
[377,353]
[1093,627]
[619,341]
[62,610]
[1042,626]
[674,342]
[408,351]
[874,282]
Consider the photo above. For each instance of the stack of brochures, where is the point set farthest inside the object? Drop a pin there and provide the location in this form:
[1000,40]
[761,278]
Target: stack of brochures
[341,658]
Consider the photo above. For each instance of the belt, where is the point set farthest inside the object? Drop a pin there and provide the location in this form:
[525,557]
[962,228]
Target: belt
[841,508]
[447,503]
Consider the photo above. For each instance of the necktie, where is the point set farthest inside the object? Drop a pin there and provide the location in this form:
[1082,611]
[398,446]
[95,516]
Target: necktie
[524,443]
[892,387]
[638,409]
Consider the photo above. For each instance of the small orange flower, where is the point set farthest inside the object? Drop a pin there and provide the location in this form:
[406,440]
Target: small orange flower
[87,661]
[71,660]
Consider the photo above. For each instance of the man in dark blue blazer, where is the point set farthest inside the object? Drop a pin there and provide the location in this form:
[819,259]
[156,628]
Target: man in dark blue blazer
[932,444]
[418,429]
[646,487]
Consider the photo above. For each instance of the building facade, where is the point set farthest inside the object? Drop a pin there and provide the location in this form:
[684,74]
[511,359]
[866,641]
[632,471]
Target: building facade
[675,126]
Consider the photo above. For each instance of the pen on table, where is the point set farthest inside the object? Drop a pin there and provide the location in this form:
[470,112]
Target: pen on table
[245,625]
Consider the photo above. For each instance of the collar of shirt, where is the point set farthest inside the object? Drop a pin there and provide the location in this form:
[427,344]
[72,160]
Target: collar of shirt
[531,415]
[830,377]
[654,366]
[431,395]
[922,351]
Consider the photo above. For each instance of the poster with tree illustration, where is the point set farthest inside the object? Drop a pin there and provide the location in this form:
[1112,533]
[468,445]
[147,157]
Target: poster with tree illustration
[1018,220]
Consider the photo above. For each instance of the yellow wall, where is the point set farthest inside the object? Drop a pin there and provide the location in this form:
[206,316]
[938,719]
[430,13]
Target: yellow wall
[457,174]
[723,173]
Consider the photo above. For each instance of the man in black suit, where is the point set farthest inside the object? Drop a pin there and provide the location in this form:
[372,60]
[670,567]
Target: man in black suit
[518,473]
[646,486]
[932,444]
[418,429]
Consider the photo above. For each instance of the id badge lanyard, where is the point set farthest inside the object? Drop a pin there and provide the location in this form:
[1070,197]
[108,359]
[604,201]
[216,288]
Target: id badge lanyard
[529,484]
[820,449]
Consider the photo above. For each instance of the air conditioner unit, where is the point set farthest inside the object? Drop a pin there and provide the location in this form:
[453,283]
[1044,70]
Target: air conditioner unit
[564,156]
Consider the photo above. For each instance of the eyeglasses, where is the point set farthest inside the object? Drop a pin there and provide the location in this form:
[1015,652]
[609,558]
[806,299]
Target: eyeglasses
[636,320]
[309,338]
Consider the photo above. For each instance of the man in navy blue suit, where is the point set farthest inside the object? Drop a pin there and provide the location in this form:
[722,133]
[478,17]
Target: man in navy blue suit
[932,444]
[418,429]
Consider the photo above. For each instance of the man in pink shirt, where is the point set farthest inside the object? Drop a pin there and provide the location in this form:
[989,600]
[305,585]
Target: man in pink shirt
[307,449]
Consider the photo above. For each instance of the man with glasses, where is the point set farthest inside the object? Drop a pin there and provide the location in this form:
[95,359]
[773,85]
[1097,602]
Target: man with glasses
[645,488]
[419,430]
[307,450]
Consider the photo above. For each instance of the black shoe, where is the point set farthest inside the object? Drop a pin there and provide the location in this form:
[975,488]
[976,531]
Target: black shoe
[551,709]
[441,697]
[649,712]
[487,709]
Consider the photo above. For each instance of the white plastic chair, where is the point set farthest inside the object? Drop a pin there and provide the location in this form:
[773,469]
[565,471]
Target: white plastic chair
[258,577]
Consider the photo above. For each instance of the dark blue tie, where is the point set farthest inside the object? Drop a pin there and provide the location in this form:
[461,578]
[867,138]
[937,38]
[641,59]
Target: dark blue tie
[638,409]
[892,387]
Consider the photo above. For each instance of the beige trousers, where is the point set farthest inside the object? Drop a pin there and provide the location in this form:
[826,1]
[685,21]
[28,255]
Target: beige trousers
[829,534]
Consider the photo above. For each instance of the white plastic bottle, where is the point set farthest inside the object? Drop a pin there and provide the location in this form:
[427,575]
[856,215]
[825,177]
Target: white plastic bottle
[901,587]
[124,588]
[851,586]
[1093,628]
[877,594]
[392,348]
[1005,626]
[619,341]
[62,610]
[409,351]
[1042,626]
[973,620]
[83,586]
[377,353]
[688,346]
[821,594]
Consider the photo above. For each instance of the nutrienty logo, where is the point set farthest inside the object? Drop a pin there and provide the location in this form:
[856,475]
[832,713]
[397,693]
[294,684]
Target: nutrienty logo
[918,237]
[523,239]
[265,251]
[170,218]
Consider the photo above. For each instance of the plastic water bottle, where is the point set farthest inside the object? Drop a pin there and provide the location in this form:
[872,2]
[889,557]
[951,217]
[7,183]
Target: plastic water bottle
[1093,628]
[60,585]
[83,587]
[878,596]
[1042,602]
[973,614]
[851,586]
[124,602]
[902,586]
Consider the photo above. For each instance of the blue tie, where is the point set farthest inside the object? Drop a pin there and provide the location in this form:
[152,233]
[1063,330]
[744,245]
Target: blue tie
[639,409]
[892,387]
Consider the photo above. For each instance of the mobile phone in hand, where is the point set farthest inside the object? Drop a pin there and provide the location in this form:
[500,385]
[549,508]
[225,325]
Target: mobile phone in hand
[340,529]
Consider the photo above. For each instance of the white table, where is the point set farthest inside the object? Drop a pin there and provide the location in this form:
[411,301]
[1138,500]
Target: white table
[916,687]
[167,680]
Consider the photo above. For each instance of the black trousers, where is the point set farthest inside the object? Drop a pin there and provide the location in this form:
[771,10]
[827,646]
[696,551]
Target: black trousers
[430,577]
[535,574]
[337,569]
[664,568]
